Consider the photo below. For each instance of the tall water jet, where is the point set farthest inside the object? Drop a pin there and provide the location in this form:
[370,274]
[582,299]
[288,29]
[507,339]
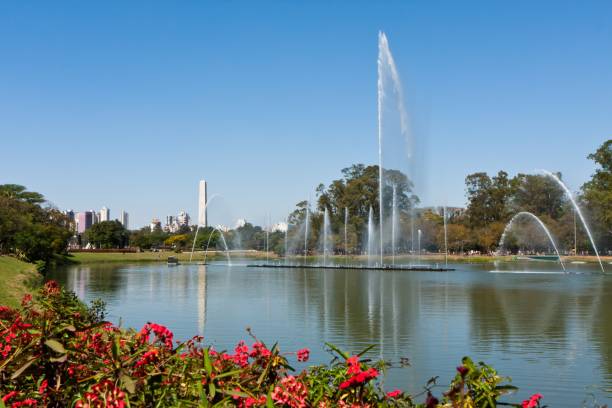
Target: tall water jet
[370,236]
[268,241]
[394,224]
[445,239]
[387,71]
[419,233]
[540,223]
[287,240]
[198,227]
[326,236]
[346,233]
[227,255]
[578,211]
[306,221]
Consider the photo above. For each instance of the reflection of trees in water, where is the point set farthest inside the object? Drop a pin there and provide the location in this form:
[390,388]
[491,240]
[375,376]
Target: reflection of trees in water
[599,304]
[500,313]
[543,314]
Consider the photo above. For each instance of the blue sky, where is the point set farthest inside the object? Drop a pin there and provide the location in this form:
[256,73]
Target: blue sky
[129,104]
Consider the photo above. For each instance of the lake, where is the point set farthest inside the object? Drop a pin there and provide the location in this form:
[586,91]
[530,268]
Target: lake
[550,332]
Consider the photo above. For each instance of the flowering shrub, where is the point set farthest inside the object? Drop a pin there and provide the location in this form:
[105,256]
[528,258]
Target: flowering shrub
[57,352]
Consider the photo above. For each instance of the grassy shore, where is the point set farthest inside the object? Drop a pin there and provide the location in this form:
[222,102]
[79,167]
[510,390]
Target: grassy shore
[198,256]
[18,278]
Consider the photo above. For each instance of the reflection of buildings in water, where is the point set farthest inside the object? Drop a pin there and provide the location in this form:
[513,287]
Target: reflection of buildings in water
[201,298]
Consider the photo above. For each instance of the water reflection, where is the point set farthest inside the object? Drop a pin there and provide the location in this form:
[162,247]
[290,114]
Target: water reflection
[551,333]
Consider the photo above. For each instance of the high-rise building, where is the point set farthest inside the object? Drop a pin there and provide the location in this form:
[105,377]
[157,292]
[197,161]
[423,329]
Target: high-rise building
[182,219]
[202,197]
[84,220]
[124,219]
[155,224]
[104,214]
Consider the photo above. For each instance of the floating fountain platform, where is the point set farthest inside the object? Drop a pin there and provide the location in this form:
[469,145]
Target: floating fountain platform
[361,267]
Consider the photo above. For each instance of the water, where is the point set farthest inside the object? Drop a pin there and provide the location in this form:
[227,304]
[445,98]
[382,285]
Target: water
[539,222]
[552,333]
[394,224]
[577,209]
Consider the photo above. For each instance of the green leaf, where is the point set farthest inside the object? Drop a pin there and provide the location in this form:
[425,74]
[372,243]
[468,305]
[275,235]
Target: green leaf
[365,350]
[212,390]
[60,359]
[207,364]
[338,351]
[55,346]
[235,393]
[22,368]
[128,383]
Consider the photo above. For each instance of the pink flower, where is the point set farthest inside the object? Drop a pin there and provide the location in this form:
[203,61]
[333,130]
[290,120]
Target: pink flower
[303,354]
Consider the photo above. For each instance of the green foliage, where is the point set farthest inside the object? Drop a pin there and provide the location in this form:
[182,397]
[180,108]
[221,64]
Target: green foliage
[107,234]
[597,193]
[29,230]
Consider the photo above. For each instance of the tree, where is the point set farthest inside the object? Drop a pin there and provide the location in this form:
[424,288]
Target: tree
[29,230]
[597,193]
[539,195]
[488,198]
[107,234]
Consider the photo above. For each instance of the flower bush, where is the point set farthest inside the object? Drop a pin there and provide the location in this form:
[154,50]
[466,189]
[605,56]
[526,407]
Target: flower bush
[57,352]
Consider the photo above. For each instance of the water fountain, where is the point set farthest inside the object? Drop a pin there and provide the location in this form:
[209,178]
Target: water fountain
[306,221]
[346,217]
[419,233]
[371,237]
[227,255]
[445,239]
[394,224]
[198,227]
[539,222]
[578,211]
[326,236]
[286,240]
[387,72]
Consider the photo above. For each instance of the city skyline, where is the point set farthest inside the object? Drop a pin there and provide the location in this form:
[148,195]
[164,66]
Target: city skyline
[268,109]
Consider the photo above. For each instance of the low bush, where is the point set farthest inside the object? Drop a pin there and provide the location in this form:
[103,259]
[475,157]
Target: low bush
[57,352]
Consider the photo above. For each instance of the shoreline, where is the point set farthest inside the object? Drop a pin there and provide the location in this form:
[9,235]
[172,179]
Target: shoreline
[162,256]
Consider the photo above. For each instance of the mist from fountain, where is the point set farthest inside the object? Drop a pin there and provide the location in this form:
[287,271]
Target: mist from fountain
[371,233]
[387,71]
[539,222]
[198,227]
[577,208]
[394,224]
[306,222]
[326,236]
[346,216]
[445,239]
[227,255]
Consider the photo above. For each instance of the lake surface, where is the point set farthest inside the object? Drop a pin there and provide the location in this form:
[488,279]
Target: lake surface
[550,332]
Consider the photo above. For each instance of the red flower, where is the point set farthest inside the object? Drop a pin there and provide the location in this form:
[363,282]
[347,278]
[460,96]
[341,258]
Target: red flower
[394,394]
[303,354]
[533,401]
[463,370]
[9,396]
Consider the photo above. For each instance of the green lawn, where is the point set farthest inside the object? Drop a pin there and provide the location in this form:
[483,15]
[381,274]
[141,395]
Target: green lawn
[18,278]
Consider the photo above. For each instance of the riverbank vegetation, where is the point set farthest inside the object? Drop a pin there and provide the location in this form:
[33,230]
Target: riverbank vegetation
[57,352]
[30,228]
